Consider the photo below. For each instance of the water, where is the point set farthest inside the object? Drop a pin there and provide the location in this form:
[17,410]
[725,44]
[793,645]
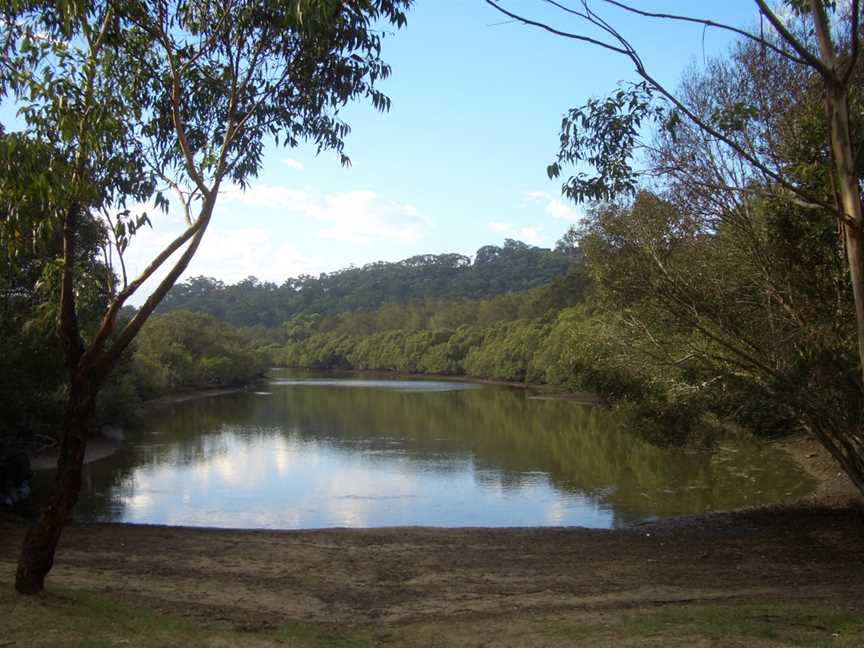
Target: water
[301,452]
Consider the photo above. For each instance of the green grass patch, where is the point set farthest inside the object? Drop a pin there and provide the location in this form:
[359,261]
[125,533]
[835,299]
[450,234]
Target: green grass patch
[73,619]
[722,625]
[78,619]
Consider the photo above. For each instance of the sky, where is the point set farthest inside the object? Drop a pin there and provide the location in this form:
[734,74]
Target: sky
[460,159]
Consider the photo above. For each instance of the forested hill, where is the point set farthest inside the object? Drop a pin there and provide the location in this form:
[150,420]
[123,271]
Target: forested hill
[495,270]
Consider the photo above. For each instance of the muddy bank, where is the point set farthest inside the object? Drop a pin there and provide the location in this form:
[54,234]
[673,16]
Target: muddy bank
[834,488]
[411,576]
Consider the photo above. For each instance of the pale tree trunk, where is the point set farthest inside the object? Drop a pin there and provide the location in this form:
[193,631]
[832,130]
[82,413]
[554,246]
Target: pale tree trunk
[836,76]
[847,446]
[850,203]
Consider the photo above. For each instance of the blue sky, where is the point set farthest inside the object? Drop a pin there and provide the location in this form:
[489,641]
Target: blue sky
[460,159]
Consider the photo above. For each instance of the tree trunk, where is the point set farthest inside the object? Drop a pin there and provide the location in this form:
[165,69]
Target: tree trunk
[40,543]
[855,258]
[850,198]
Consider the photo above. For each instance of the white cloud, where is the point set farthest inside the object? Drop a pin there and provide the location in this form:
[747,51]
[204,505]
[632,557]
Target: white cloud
[357,216]
[265,196]
[554,206]
[250,232]
[294,164]
[557,208]
[527,234]
[361,216]
[233,254]
[530,235]
[537,195]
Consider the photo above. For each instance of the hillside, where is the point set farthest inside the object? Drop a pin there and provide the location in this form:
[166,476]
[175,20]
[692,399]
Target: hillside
[495,270]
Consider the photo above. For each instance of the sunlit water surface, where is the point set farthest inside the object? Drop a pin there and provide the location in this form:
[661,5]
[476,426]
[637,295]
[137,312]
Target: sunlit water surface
[303,452]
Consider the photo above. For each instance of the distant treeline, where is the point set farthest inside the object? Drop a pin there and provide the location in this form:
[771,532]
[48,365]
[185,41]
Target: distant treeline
[558,335]
[498,337]
[213,335]
[495,270]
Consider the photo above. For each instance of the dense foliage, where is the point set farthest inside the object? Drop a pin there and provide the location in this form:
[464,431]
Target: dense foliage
[494,270]
[183,350]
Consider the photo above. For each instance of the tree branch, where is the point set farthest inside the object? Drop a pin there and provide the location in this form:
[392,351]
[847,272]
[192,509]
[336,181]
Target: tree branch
[557,32]
[67,324]
[176,117]
[627,50]
[106,328]
[855,37]
[706,23]
[811,59]
[103,364]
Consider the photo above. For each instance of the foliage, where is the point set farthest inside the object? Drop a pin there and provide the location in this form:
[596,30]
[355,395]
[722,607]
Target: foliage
[604,134]
[513,267]
[132,98]
[184,350]
[757,170]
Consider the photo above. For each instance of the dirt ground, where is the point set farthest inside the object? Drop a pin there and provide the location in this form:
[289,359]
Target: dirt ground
[494,578]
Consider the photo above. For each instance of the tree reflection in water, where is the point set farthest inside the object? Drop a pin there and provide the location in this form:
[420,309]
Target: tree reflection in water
[446,454]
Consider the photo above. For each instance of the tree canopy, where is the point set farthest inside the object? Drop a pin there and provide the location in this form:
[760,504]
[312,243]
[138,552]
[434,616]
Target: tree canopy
[130,100]
[514,266]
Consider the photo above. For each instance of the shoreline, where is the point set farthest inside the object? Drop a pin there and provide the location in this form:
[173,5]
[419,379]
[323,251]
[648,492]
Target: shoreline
[414,577]
[545,392]
[472,582]
[192,394]
[112,437]
[833,489]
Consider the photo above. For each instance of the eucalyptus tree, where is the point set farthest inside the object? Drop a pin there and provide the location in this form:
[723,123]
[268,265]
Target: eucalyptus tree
[139,99]
[817,43]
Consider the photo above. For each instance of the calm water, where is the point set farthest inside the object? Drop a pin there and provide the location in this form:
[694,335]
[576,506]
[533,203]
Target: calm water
[297,452]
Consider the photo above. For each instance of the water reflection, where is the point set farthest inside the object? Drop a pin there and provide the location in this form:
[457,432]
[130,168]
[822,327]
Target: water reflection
[295,453]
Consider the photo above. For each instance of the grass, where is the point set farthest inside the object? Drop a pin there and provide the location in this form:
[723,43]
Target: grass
[78,619]
[73,619]
[729,625]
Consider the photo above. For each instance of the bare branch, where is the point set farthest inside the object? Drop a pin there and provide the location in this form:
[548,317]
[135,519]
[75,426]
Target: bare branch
[705,23]
[811,59]
[627,50]
[557,32]
[855,37]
